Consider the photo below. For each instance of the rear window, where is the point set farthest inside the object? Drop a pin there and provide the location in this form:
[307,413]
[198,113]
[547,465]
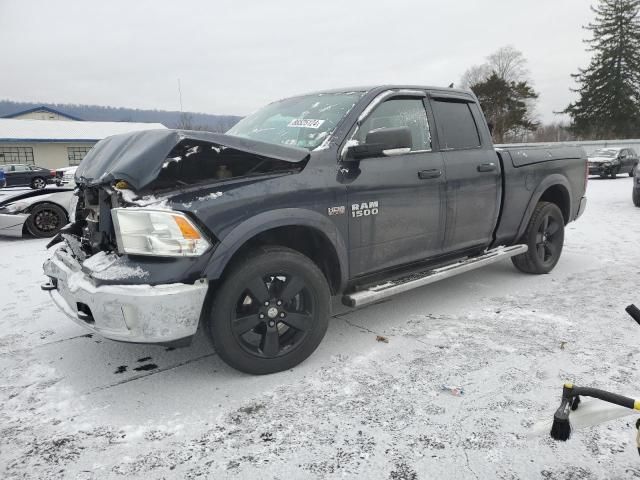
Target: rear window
[456,127]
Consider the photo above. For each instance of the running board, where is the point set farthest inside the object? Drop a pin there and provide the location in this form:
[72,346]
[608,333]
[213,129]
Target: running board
[378,292]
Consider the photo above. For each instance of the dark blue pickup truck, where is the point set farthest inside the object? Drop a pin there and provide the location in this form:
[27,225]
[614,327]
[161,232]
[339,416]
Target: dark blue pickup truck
[363,193]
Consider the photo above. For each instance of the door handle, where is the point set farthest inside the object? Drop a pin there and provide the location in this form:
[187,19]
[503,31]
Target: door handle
[487,167]
[427,174]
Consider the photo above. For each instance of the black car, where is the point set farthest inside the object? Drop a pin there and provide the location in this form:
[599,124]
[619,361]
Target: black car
[19,174]
[612,161]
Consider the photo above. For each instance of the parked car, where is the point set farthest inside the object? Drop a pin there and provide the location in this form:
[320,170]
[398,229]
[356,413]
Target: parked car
[19,174]
[3,179]
[612,161]
[636,188]
[64,176]
[363,193]
[41,213]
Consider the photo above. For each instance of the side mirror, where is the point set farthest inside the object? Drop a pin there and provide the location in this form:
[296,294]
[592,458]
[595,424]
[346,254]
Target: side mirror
[383,142]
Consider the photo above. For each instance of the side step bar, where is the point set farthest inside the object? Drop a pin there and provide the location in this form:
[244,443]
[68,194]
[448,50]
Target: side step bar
[378,292]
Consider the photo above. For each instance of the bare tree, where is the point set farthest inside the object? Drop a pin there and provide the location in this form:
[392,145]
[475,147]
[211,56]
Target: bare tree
[509,64]
[474,75]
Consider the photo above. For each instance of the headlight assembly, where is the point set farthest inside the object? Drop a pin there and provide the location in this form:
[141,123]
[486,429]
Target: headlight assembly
[16,207]
[162,233]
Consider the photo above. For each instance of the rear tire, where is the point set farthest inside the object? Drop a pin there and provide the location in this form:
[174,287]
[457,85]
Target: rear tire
[46,220]
[633,171]
[614,172]
[38,183]
[544,236]
[636,197]
[270,312]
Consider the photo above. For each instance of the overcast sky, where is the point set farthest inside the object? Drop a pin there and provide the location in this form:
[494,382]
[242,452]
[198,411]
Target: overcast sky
[234,56]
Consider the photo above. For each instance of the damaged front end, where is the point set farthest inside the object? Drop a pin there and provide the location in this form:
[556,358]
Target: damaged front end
[130,267]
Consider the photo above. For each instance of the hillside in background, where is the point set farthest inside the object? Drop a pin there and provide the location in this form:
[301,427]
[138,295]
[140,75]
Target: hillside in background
[171,119]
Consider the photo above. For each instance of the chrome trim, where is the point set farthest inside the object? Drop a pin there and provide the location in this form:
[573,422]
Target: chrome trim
[379,292]
[392,152]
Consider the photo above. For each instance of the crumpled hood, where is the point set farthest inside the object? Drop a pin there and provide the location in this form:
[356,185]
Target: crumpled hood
[138,157]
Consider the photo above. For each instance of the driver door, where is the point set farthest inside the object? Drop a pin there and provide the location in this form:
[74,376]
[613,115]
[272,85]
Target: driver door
[395,203]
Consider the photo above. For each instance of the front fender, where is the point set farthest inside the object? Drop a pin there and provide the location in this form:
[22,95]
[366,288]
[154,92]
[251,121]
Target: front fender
[543,186]
[262,222]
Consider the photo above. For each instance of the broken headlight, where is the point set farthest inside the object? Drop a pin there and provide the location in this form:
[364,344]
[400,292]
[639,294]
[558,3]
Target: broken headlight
[163,233]
[17,207]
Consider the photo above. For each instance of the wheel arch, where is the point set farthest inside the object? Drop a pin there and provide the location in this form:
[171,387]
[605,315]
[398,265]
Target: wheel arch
[305,231]
[553,189]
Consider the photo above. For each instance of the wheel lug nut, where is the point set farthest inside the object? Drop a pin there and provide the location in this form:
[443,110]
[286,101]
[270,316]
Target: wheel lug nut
[279,302]
[261,315]
[272,323]
[282,315]
[266,304]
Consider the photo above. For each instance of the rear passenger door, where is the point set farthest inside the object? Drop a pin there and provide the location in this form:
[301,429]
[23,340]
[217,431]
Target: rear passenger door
[472,170]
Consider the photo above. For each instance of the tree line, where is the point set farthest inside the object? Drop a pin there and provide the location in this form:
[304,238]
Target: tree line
[608,89]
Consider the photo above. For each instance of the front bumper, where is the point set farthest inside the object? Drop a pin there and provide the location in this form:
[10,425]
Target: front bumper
[12,224]
[126,313]
[599,169]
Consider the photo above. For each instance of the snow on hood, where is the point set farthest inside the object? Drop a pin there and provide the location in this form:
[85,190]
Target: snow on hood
[138,157]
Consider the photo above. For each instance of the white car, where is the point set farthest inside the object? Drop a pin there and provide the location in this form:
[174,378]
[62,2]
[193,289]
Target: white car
[41,213]
[67,177]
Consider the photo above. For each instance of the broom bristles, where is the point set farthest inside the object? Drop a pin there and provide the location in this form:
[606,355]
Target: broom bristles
[561,429]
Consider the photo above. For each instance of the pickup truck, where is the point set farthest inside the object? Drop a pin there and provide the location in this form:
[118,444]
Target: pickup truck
[362,193]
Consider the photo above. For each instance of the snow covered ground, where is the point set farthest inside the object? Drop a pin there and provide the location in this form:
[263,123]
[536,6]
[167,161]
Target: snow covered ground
[74,405]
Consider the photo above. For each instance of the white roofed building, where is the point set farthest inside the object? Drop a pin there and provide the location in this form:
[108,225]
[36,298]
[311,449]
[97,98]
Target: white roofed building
[58,142]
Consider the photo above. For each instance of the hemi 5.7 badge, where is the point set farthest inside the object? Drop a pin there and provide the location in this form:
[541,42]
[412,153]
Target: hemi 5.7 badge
[336,210]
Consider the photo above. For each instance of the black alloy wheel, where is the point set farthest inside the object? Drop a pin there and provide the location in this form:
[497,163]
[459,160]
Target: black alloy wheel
[273,315]
[544,236]
[270,312]
[548,242]
[46,220]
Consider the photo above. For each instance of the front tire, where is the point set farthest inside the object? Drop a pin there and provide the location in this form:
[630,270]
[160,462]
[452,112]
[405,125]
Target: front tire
[46,220]
[544,236]
[270,313]
[636,197]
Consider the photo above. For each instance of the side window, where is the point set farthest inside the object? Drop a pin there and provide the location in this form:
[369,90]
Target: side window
[19,168]
[399,112]
[456,127]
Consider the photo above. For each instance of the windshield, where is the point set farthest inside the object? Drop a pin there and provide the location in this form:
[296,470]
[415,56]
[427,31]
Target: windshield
[300,121]
[605,153]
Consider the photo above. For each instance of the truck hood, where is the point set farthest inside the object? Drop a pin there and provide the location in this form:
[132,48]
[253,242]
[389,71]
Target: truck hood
[139,157]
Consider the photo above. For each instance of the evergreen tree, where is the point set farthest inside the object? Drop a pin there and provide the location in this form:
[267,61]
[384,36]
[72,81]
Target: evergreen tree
[609,87]
[506,105]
